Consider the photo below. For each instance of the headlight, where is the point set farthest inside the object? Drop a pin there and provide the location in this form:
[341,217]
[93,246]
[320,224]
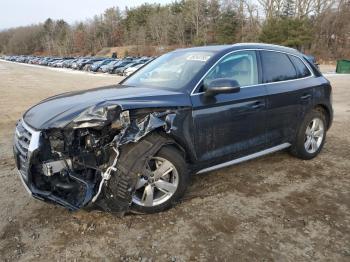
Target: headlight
[56,141]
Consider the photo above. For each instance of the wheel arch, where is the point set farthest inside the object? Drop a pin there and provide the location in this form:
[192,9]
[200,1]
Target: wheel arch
[326,111]
[177,144]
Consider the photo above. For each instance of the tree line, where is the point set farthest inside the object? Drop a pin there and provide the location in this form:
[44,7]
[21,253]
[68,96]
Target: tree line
[321,27]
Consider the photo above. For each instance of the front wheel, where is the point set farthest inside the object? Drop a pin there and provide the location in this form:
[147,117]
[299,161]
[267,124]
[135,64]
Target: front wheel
[165,183]
[311,136]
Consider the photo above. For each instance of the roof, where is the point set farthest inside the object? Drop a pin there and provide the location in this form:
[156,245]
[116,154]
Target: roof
[238,46]
[266,46]
[210,48]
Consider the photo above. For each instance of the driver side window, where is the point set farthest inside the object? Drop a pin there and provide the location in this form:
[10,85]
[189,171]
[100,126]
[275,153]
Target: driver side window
[239,66]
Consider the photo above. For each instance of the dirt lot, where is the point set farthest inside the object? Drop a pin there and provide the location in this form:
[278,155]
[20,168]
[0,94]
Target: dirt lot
[273,208]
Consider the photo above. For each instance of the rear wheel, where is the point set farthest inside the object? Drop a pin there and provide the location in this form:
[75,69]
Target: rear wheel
[311,136]
[165,183]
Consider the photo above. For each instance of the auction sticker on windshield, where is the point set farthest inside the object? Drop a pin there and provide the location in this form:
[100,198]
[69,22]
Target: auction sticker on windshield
[198,57]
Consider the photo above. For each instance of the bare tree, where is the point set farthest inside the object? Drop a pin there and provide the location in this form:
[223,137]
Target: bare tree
[195,13]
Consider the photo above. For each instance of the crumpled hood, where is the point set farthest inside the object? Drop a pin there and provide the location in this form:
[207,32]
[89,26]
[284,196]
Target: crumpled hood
[58,111]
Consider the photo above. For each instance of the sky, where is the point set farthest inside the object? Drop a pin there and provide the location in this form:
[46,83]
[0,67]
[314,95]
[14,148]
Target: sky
[25,12]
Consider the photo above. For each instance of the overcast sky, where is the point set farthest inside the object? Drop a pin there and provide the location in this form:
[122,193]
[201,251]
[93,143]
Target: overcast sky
[24,12]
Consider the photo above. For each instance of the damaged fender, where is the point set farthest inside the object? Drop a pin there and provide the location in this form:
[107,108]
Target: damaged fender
[123,173]
[118,190]
[127,161]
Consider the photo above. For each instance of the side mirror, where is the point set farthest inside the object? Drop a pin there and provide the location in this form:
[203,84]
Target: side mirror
[221,86]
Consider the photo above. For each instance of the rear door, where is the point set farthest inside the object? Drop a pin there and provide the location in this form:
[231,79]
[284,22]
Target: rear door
[230,125]
[289,93]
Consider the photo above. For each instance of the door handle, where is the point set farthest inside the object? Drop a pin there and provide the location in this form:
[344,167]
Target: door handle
[305,96]
[258,104]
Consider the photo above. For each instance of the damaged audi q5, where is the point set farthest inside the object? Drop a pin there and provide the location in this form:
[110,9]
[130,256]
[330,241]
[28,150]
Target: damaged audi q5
[134,145]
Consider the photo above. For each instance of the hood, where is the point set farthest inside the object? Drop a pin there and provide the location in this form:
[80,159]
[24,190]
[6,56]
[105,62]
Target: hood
[58,111]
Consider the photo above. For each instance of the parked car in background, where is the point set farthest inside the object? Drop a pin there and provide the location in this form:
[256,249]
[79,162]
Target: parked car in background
[48,61]
[85,65]
[68,62]
[76,64]
[105,68]
[33,60]
[96,66]
[120,70]
[55,63]
[123,63]
[139,63]
[132,69]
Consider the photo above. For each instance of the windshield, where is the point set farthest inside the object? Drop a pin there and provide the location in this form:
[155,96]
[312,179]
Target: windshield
[170,71]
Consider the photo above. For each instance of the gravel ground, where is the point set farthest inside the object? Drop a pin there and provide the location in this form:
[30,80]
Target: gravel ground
[276,208]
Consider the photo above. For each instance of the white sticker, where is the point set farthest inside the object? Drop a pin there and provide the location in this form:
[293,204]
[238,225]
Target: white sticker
[198,57]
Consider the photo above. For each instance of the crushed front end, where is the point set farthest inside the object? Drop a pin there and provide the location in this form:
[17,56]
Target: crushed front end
[60,166]
[78,165]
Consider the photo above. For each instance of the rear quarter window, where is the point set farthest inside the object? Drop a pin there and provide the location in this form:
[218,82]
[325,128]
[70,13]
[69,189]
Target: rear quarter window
[303,71]
[314,69]
[277,67]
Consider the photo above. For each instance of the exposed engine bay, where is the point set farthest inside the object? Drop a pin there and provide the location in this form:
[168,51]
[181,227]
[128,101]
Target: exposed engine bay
[89,162]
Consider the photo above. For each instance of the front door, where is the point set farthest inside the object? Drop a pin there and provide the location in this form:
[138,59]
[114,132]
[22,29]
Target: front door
[228,126]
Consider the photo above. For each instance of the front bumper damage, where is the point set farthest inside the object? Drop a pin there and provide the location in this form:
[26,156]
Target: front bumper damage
[112,187]
[25,157]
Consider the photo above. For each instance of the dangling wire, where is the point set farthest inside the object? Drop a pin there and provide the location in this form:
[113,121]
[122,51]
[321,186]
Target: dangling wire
[107,174]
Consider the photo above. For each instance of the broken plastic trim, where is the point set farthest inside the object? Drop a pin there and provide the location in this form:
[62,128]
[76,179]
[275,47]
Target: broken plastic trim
[132,163]
[132,133]
[106,175]
[129,132]
[138,129]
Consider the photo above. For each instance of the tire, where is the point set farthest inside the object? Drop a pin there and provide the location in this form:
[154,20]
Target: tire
[304,146]
[173,156]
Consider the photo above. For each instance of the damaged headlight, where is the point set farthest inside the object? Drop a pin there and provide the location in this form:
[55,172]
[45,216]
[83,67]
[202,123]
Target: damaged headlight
[56,140]
[122,122]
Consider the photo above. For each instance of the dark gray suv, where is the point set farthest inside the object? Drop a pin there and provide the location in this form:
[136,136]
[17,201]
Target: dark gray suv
[135,145]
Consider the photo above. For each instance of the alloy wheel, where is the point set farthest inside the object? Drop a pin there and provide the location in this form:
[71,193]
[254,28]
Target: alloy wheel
[159,185]
[314,135]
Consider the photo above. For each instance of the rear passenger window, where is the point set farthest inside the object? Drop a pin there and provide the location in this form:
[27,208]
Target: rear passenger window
[303,71]
[277,67]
